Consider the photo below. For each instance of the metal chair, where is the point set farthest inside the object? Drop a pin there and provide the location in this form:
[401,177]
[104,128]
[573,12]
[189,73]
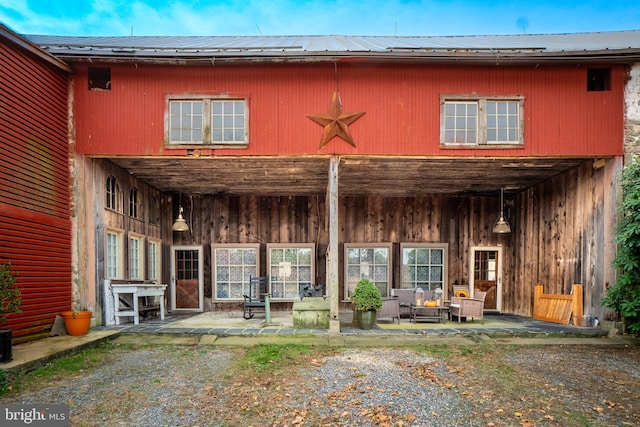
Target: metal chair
[255,302]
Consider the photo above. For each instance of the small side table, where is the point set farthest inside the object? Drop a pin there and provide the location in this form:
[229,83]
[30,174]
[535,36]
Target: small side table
[439,313]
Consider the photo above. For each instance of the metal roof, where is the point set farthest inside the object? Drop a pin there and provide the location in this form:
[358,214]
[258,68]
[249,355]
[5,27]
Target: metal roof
[618,46]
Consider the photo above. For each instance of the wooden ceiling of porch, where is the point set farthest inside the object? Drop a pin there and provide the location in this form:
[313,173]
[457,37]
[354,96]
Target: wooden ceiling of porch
[358,175]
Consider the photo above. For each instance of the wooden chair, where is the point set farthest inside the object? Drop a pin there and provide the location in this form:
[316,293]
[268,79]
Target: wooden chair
[468,307]
[254,302]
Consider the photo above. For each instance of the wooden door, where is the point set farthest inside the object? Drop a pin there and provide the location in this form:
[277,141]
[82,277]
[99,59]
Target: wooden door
[187,283]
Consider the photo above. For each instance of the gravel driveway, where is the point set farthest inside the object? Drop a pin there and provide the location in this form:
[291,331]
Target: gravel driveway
[429,386]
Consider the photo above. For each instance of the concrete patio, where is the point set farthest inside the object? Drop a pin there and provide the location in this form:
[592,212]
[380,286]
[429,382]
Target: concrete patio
[232,323]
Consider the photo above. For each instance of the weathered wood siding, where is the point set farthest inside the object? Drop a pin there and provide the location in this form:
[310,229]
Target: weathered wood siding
[401,102]
[98,220]
[562,233]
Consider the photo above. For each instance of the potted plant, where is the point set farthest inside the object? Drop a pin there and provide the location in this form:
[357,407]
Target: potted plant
[10,301]
[77,321]
[367,300]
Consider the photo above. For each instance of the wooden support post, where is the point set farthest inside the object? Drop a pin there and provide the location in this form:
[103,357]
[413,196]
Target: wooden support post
[333,286]
[537,293]
[577,306]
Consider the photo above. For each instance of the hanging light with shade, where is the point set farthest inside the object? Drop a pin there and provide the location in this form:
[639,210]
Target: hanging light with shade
[180,224]
[501,226]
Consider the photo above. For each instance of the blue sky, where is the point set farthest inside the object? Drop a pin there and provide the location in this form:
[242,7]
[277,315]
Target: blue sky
[315,17]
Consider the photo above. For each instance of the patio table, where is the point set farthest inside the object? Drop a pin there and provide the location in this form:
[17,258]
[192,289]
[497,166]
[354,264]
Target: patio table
[439,313]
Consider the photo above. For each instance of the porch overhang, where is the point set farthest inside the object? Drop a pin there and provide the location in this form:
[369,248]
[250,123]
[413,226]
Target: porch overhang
[385,176]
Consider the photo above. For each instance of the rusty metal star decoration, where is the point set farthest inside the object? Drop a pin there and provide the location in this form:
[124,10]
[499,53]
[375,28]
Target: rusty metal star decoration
[335,122]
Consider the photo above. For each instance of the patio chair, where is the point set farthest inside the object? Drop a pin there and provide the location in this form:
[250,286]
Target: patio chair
[405,299]
[468,307]
[255,302]
[457,288]
[390,309]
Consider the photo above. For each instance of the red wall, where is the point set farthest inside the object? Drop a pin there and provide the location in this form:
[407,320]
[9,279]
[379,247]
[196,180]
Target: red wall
[402,105]
[35,228]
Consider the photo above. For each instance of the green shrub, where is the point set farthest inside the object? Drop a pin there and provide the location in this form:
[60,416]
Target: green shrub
[366,296]
[10,297]
[624,295]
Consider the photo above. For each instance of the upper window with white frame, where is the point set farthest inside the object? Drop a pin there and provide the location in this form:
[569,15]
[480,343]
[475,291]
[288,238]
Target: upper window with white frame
[370,261]
[484,121]
[208,121]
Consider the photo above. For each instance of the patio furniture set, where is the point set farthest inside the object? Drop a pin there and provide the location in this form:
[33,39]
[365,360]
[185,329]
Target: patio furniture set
[401,303]
[413,306]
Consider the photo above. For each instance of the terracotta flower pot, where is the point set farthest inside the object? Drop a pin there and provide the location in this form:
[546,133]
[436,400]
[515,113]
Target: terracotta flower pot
[77,323]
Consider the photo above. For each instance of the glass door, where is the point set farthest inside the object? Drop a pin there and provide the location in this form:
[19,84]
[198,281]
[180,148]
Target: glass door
[186,278]
[486,275]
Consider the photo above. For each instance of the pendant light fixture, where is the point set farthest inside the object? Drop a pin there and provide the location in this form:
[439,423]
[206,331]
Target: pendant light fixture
[501,226]
[180,224]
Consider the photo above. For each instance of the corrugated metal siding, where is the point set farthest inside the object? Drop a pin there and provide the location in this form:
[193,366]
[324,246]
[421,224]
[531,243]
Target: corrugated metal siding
[492,46]
[35,227]
[401,102]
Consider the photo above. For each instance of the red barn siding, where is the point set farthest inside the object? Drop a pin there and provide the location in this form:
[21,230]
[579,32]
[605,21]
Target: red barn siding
[35,228]
[402,105]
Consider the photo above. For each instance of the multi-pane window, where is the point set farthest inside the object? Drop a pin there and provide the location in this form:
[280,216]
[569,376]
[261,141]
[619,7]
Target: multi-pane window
[133,203]
[208,121]
[233,266]
[228,119]
[136,255]
[114,257]
[153,260]
[485,265]
[503,122]
[367,261]
[112,194]
[186,121]
[461,122]
[481,121]
[423,266]
[290,266]
[154,211]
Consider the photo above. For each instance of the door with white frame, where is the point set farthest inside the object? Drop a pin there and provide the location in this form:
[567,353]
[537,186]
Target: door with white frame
[187,282]
[486,274]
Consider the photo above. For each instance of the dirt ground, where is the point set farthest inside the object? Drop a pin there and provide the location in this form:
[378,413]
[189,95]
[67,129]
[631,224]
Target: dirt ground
[445,385]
